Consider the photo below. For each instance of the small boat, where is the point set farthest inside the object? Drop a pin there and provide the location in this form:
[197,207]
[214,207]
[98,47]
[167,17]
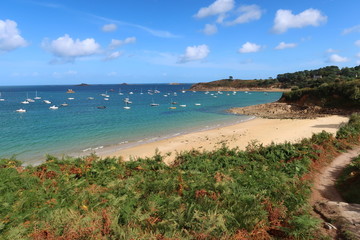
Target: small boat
[127,101]
[71,98]
[106,99]
[64,105]
[172,107]
[120,93]
[25,102]
[21,110]
[101,107]
[154,104]
[47,101]
[53,107]
[30,100]
[70,91]
[36,96]
[131,93]
[90,98]
[1,99]
[197,104]
[126,106]
[105,95]
[183,105]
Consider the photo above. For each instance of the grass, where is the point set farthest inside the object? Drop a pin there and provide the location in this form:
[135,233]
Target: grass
[260,193]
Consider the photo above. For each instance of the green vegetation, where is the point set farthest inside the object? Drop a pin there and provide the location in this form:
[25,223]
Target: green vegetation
[349,182]
[307,79]
[333,95]
[259,193]
[315,78]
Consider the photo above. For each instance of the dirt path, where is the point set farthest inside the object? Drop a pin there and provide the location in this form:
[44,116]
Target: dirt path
[329,204]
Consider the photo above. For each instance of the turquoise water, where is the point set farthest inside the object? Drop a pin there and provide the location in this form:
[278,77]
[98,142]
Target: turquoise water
[81,128]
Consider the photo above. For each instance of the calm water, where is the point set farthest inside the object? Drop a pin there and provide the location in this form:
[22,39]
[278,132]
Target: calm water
[81,128]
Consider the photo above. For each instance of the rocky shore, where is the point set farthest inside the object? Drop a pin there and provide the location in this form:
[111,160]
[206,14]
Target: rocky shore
[278,110]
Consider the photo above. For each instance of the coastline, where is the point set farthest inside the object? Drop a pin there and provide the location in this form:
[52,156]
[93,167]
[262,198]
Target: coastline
[259,130]
[230,89]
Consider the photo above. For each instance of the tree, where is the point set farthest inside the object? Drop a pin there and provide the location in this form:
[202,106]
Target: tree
[231,78]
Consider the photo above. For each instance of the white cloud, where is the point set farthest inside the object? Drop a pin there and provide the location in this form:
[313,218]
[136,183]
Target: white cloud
[117,43]
[68,49]
[330,50]
[210,29]
[249,47]
[284,45]
[113,55]
[247,13]
[216,8]
[10,37]
[335,58]
[194,53]
[109,27]
[285,20]
[352,29]
[357,43]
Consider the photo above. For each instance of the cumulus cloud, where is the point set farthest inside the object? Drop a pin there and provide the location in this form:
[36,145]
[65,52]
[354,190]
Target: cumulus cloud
[284,45]
[352,29]
[249,47]
[109,27]
[335,58]
[113,55]
[210,29]
[247,13]
[357,43]
[216,8]
[10,37]
[193,53]
[117,43]
[68,49]
[285,19]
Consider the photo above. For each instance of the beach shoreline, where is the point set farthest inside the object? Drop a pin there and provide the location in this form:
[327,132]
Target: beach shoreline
[240,135]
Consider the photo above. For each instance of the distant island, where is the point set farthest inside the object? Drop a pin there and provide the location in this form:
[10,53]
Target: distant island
[83,85]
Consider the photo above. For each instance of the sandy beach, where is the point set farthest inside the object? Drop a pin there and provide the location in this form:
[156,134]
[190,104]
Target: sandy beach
[262,130]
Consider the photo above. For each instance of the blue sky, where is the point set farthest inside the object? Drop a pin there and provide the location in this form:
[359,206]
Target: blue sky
[161,41]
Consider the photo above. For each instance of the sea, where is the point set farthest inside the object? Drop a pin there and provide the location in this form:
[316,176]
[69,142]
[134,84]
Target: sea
[95,119]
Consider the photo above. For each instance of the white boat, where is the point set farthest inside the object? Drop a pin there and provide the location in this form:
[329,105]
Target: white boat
[90,98]
[182,105]
[106,99]
[126,106]
[53,107]
[30,100]
[131,93]
[1,99]
[71,98]
[197,104]
[120,93]
[127,101]
[21,110]
[105,95]
[25,102]
[64,105]
[47,101]
[36,96]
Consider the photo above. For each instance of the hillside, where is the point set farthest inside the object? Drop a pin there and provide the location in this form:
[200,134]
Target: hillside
[297,80]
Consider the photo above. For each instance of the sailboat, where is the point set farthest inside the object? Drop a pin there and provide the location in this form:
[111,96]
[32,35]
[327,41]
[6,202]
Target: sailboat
[36,96]
[154,104]
[120,93]
[21,110]
[1,99]
[126,106]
